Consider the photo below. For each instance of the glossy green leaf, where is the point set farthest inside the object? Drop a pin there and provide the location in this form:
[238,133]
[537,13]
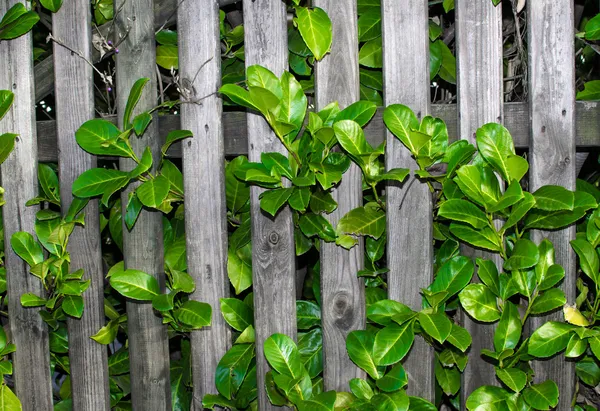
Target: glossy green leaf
[588,371]
[232,369]
[525,254]
[73,305]
[308,314]
[549,339]
[361,388]
[316,30]
[488,274]
[52,5]
[437,326]
[550,300]
[7,143]
[392,343]
[167,56]
[25,246]
[459,337]
[259,76]
[464,211]
[508,332]
[135,284]
[371,54]
[282,354]
[315,224]
[7,98]
[488,398]
[479,302]
[495,145]
[514,378]
[99,181]
[388,312]
[368,220]
[272,200]
[360,112]
[32,300]
[484,238]
[447,378]
[519,210]
[101,137]
[588,259]
[174,136]
[310,347]
[8,400]
[554,198]
[17,21]
[360,345]
[154,191]
[237,313]
[542,396]
[238,95]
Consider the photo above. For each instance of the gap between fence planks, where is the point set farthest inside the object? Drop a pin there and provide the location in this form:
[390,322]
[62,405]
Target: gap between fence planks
[74,105]
[273,251]
[342,292]
[409,205]
[204,185]
[480,96]
[516,120]
[19,178]
[143,245]
[552,151]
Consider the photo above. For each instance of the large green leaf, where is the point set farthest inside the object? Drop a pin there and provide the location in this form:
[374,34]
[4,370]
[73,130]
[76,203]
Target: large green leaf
[525,254]
[282,354]
[351,137]
[238,95]
[401,120]
[73,305]
[134,97]
[167,56]
[100,181]
[237,313]
[259,76]
[6,100]
[508,332]
[293,101]
[488,274]
[172,137]
[315,224]
[371,54]
[52,5]
[459,337]
[25,246]
[514,378]
[479,301]
[272,200]
[549,339]
[550,300]
[554,198]
[369,25]
[308,314]
[310,347]
[488,398]
[392,343]
[591,91]
[359,345]
[101,137]
[394,380]
[315,27]
[437,326]
[588,259]
[135,284]
[8,400]
[232,369]
[154,191]
[388,312]
[361,112]
[361,388]
[482,238]
[17,21]
[194,314]
[237,193]
[553,220]
[368,220]
[495,145]
[447,378]
[464,211]
[542,396]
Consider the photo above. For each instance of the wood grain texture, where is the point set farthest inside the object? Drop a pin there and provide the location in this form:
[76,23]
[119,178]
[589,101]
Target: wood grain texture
[29,333]
[552,152]
[480,95]
[165,12]
[342,292]
[516,120]
[409,205]
[143,246]
[273,252]
[204,184]
[74,105]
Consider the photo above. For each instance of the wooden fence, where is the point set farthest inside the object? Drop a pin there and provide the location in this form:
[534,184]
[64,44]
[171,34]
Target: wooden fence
[547,127]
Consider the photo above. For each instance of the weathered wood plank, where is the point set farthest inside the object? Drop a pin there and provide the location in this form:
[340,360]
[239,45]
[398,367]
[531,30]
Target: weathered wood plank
[342,292]
[74,105]
[409,205]
[552,151]
[480,95]
[273,252]
[143,246]
[516,120]
[204,184]
[19,179]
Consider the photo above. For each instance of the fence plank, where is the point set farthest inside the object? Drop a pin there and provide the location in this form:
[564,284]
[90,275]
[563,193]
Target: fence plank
[74,105]
[273,253]
[480,96]
[552,153]
[342,292]
[19,179]
[142,246]
[204,185]
[409,205]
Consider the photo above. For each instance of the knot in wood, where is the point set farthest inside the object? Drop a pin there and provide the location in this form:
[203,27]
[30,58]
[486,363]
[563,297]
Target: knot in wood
[342,310]
[273,237]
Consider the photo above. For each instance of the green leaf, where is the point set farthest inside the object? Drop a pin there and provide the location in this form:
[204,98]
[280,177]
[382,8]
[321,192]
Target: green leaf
[401,120]
[448,68]
[322,201]
[576,347]
[315,28]
[360,112]
[351,137]
[459,337]
[479,302]
[52,5]
[495,145]
[591,91]
[394,380]
[154,191]
[25,246]
[549,339]
[272,200]
[17,21]
[550,300]
[238,271]
[6,100]
[388,312]
[508,332]
[483,238]
[359,345]
[371,54]
[99,181]
[167,56]
[107,334]
[588,259]
[368,220]
[592,28]
[519,210]
[293,101]
[73,305]
[511,196]
[524,255]
[101,137]
[282,354]
[134,97]
[488,398]
[437,326]
[310,347]
[488,274]
[238,95]
[361,388]
[392,343]
[552,220]
[8,400]
[308,314]
[300,198]
[542,396]
[237,313]
[588,371]
[465,211]
[32,300]
[237,193]
[174,136]
[321,402]
[554,198]
[135,284]
[195,314]
[315,224]
[447,378]
[397,401]
[514,378]
[369,25]
[259,76]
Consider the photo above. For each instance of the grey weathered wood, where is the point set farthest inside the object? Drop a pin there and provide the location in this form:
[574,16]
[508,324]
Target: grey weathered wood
[143,246]
[516,120]
[74,105]
[164,15]
[409,205]
[204,184]
[342,292]
[480,95]
[552,151]
[273,252]
[19,179]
